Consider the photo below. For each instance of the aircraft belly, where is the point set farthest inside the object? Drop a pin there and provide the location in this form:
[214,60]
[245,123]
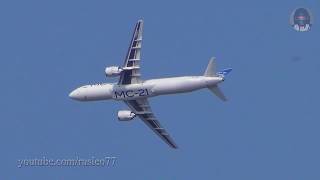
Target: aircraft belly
[172,87]
[97,92]
[157,87]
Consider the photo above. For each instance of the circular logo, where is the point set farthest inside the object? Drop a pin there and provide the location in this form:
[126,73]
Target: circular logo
[301,19]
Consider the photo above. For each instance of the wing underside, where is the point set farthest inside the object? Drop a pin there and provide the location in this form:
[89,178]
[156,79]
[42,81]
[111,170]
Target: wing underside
[131,67]
[131,75]
[142,109]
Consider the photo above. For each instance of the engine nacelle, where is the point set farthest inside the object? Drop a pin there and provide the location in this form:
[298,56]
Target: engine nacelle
[125,115]
[113,71]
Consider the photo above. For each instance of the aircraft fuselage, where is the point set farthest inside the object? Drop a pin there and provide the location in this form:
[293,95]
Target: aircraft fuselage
[145,89]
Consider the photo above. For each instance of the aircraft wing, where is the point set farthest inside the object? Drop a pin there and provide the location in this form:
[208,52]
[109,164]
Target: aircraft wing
[142,109]
[131,67]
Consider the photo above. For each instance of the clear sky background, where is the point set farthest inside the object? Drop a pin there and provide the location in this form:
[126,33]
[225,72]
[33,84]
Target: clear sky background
[269,128]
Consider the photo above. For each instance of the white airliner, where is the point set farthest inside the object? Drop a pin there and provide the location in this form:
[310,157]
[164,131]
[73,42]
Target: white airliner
[135,92]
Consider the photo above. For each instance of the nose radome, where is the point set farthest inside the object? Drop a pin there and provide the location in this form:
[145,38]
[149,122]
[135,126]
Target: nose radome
[74,94]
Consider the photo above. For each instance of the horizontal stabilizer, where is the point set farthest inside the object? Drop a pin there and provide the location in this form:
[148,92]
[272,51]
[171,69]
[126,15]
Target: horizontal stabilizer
[217,91]
[224,72]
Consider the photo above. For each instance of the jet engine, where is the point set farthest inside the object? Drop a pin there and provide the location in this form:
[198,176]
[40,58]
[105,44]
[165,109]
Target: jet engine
[113,71]
[125,115]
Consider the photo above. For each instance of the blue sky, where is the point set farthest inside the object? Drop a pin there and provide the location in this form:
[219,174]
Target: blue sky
[269,128]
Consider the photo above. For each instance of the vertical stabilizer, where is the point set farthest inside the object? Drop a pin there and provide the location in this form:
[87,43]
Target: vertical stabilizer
[211,68]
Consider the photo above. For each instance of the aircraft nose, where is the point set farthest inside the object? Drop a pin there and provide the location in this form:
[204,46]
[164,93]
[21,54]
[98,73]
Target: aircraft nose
[74,94]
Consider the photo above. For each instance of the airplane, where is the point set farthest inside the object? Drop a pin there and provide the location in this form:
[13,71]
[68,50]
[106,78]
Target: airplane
[134,91]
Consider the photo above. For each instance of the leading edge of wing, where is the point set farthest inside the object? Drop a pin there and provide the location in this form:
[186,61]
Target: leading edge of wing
[136,36]
[142,108]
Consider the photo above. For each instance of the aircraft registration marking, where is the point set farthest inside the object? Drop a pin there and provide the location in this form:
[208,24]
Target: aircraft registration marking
[123,94]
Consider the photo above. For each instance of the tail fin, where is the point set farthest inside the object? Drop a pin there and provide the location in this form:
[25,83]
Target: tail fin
[211,72]
[211,68]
